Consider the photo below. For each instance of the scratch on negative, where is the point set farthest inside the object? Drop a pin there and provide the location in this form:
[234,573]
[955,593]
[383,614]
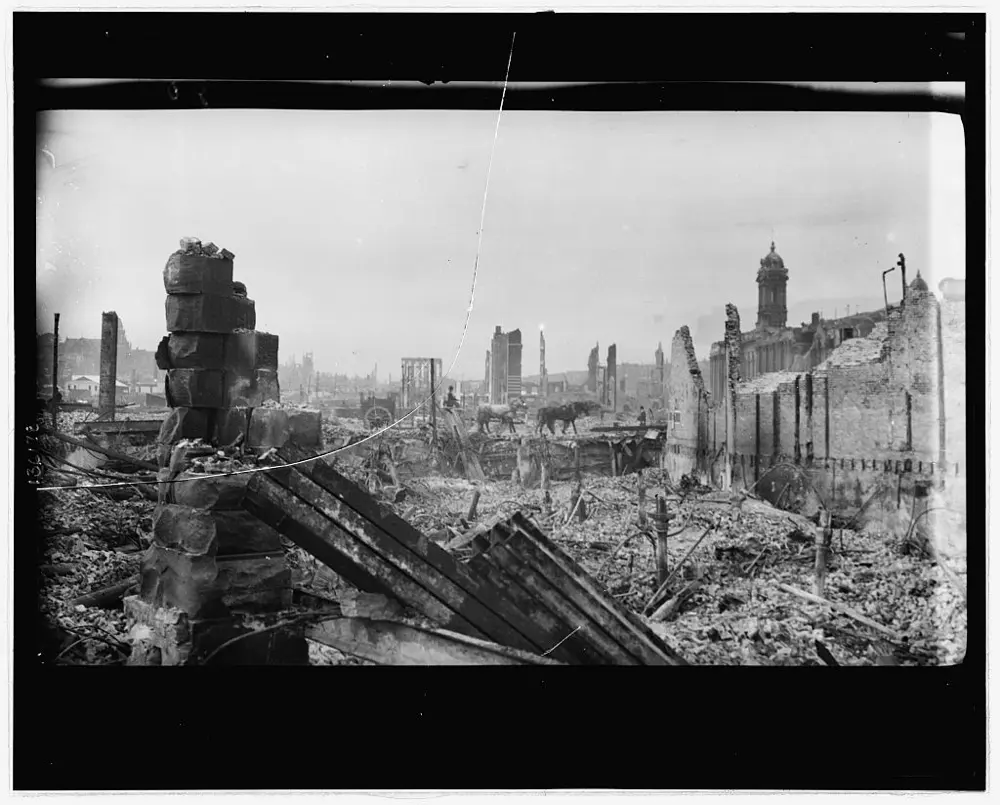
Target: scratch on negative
[482,214]
[567,637]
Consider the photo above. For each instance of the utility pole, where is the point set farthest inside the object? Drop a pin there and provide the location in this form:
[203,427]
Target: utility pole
[434,431]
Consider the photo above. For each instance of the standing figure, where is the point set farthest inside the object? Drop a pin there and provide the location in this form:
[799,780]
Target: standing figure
[642,416]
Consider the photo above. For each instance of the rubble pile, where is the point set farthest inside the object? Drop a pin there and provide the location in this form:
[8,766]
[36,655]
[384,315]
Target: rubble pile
[738,611]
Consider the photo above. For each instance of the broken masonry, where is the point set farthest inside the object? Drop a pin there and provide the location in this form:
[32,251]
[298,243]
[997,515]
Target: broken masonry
[212,565]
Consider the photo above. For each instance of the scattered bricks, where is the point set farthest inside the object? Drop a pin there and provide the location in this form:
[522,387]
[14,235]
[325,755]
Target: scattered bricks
[239,289]
[172,578]
[196,351]
[162,356]
[158,635]
[182,528]
[196,388]
[227,255]
[184,423]
[255,583]
[207,313]
[191,273]
[249,350]
[273,427]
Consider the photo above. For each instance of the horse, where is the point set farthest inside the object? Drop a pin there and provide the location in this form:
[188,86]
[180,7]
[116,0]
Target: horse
[567,414]
[505,413]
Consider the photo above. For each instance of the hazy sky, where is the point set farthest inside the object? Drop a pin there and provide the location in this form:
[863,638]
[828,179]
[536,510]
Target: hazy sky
[356,232]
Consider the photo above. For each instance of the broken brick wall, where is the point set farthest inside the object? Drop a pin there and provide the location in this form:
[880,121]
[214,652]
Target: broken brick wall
[869,422]
[688,405]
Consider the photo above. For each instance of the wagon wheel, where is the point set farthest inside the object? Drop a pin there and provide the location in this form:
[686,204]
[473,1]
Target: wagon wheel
[377,417]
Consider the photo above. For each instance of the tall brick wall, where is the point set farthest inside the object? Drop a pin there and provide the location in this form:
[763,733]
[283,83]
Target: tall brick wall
[686,396]
[786,420]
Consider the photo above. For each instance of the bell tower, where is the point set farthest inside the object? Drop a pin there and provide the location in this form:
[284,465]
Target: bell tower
[772,281]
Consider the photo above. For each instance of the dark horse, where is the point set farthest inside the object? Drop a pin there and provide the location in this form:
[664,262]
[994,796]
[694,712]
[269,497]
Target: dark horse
[567,414]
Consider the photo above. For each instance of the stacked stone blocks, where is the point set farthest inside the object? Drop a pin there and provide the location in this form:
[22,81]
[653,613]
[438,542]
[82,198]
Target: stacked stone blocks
[211,564]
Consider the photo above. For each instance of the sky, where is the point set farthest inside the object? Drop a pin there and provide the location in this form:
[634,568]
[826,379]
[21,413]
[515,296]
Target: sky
[356,232]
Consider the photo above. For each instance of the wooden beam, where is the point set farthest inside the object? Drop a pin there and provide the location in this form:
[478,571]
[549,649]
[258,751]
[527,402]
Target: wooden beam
[570,649]
[533,581]
[427,564]
[589,604]
[336,548]
[650,644]
[485,605]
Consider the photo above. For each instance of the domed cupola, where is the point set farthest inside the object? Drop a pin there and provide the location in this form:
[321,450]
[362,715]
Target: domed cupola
[919,284]
[772,282]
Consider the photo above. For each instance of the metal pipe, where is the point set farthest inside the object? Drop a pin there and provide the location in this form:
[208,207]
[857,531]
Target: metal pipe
[885,293]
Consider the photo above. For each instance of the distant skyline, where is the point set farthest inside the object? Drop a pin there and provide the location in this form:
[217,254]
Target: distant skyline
[356,232]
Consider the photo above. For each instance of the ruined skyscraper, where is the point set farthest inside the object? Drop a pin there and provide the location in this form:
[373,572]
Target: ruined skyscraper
[611,384]
[505,366]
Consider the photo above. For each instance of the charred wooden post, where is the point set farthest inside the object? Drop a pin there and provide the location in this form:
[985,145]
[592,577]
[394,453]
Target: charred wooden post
[578,506]
[661,522]
[473,506]
[546,495]
[824,536]
[434,430]
[642,503]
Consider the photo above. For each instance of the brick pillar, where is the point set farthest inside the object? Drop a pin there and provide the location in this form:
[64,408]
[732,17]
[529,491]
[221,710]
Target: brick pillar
[109,364]
[213,566]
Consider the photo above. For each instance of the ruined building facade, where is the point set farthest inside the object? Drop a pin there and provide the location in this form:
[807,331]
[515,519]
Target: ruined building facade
[773,346]
[877,427]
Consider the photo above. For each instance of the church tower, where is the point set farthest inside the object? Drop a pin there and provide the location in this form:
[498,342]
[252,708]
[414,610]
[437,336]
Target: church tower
[772,280]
